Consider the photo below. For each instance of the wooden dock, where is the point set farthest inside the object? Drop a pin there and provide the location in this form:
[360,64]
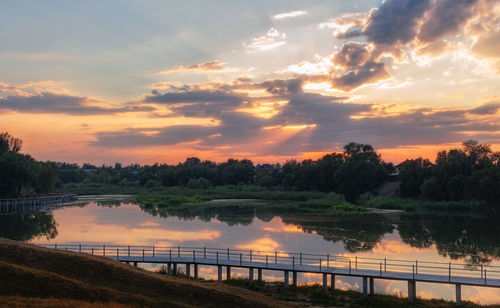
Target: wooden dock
[291,263]
[34,203]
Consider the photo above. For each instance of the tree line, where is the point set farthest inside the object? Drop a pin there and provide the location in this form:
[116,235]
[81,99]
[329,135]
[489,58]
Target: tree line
[469,173]
[359,168]
[21,174]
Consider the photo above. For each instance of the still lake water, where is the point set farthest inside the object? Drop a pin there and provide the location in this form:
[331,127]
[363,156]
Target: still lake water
[392,235]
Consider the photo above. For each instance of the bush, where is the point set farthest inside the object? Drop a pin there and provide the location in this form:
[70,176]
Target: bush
[151,184]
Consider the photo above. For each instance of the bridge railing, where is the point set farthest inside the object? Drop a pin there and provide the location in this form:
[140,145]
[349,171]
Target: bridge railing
[295,260]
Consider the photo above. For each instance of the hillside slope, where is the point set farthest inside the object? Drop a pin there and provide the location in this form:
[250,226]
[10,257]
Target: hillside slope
[61,278]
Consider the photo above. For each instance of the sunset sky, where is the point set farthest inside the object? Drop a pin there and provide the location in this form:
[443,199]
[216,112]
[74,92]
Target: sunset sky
[159,81]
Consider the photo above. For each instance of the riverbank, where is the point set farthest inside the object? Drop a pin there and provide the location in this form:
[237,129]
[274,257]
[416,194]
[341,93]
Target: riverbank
[36,276]
[33,276]
[177,198]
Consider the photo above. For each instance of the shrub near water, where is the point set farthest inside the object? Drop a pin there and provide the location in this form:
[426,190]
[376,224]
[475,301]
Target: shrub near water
[332,201]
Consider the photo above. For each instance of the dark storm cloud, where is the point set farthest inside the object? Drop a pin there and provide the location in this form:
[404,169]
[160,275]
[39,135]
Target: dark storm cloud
[395,21]
[153,137]
[192,96]
[352,54]
[368,73]
[56,103]
[446,17]
[486,109]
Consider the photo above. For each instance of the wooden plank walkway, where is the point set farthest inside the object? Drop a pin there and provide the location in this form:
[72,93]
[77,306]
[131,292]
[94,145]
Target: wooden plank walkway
[326,265]
[33,203]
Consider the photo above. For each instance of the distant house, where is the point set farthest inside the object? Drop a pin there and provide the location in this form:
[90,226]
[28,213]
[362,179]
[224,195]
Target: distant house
[266,168]
[89,170]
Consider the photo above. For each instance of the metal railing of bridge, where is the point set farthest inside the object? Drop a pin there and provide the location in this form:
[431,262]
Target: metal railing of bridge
[295,261]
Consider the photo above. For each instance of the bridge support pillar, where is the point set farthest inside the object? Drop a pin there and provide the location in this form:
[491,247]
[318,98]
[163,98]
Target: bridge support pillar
[188,271]
[458,294]
[365,286]
[250,275]
[332,282]
[286,279]
[174,269]
[412,291]
[219,273]
[195,271]
[135,264]
[259,274]
[325,283]
[294,279]
[228,272]
[372,291]
[169,269]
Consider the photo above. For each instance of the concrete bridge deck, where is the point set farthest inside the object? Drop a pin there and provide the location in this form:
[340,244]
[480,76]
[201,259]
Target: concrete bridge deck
[326,265]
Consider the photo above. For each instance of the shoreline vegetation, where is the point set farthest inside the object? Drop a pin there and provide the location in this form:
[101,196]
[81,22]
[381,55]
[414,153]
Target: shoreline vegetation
[356,180]
[176,197]
[41,277]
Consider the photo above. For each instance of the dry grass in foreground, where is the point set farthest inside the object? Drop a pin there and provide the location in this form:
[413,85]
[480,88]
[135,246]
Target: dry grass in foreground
[32,276]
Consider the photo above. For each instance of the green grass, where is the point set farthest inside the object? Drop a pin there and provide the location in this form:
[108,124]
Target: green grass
[333,203]
[418,205]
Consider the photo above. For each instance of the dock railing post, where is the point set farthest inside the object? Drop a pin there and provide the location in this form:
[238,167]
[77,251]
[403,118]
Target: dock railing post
[349,266]
[204,252]
[356,262]
[380,269]
[327,260]
[80,248]
[170,253]
[241,259]
[385,264]
[128,251]
[228,254]
[413,270]
[104,250]
[449,272]
[481,271]
[118,254]
[143,254]
[293,262]
[250,256]
[416,266]
[275,256]
[320,264]
[194,256]
[178,251]
[217,257]
[153,251]
[301,258]
[267,261]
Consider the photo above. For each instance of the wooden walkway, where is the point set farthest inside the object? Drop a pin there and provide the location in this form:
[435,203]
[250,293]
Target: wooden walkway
[33,203]
[368,269]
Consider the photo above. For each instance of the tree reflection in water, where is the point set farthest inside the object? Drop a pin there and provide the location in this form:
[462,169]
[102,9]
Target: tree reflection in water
[476,240]
[27,226]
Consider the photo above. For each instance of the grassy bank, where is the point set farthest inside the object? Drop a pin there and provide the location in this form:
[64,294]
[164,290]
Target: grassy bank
[176,197]
[37,276]
[418,205]
[314,296]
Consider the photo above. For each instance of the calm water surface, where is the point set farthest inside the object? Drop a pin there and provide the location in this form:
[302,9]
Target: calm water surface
[391,235]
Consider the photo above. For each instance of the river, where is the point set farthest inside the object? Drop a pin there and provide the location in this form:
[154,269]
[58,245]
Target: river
[473,241]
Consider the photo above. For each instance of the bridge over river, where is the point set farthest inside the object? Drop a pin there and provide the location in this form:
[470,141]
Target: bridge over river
[291,263]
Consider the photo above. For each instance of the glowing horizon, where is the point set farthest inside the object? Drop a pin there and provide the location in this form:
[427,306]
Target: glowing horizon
[133,83]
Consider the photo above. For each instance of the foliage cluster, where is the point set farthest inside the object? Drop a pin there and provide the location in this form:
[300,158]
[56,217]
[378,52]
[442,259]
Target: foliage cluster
[356,170]
[469,173]
[21,174]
